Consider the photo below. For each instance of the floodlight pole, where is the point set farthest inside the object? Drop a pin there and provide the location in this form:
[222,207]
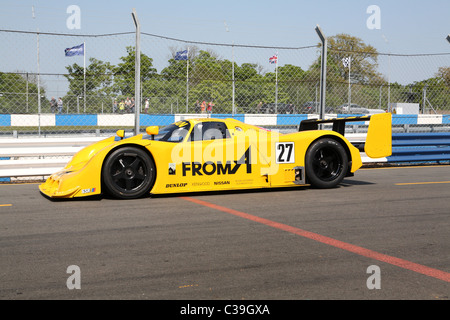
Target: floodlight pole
[187,81]
[233,107]
[38,85]
[137,74]
[323,71]
[234,83]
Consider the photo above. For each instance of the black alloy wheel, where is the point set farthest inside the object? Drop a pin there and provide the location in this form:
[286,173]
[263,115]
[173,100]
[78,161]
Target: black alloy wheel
[128,173]
[326,163]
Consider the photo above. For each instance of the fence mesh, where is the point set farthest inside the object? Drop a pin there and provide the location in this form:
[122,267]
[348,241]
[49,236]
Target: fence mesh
[94,89]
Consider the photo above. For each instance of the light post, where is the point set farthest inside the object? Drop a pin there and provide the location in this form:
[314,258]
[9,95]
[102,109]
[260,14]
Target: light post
[137,75]
[233,107]
[323,71]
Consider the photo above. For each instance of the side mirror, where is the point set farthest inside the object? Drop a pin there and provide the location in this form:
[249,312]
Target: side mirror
[120,133]
[152,131]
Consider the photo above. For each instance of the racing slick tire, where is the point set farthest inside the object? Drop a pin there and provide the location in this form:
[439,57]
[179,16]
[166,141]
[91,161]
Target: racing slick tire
[128,173]
[326,163]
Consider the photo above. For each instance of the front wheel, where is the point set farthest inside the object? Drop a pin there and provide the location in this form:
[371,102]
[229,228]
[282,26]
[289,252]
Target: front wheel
[326,163]
[128,173]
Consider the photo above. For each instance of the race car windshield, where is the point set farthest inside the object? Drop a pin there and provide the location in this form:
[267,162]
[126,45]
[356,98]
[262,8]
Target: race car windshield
[172,133]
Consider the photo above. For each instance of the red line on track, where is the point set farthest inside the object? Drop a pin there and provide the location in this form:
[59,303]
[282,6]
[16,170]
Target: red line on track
[435,273]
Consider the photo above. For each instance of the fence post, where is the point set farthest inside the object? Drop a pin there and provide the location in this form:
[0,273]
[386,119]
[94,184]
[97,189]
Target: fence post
[323,71]
[38,86]
[137,74]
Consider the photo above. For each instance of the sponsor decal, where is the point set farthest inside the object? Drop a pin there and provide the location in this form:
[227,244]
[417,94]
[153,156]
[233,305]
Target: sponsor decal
[172,169]
[176,185]
[285,152]
[245,181]
[196,184]
[219,183]
[88,190]
[209,168]
[181,123]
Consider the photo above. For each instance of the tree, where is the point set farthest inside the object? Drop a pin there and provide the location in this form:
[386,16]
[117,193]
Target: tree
[207,66]
[98,78]
[218,92]
[124,72]
[444,74]
[247,71]
[19,95]
[364,61]
[364,78]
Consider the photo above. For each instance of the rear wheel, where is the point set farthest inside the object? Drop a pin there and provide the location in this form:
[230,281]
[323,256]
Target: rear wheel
[128,173]
[326,163]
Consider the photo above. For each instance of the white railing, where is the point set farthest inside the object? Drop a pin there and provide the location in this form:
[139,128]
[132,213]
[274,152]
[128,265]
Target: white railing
[38,156]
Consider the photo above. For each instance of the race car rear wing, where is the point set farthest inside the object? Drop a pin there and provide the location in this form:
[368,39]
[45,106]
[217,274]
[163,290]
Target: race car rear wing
[338,123]
[379,135]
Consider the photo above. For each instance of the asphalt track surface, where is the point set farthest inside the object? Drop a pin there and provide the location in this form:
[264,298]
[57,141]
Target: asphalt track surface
[283,244]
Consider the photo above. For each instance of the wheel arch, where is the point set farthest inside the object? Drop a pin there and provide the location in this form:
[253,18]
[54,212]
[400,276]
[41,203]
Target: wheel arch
[339,140]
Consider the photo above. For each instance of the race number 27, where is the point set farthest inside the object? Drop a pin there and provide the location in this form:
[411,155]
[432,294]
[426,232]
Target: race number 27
[285,152]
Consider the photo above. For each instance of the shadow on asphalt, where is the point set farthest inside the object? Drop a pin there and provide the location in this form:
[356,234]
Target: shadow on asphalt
[344,184]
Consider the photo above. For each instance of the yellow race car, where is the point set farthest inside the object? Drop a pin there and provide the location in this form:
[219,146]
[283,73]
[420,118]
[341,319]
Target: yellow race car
[217,154]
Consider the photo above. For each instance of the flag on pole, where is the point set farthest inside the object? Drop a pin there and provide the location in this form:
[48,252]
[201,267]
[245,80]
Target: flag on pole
[181,55]
[75,51]
[273,59]
[346,61]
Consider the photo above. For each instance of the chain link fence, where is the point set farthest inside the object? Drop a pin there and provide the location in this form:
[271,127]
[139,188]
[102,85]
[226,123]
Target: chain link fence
[95,91]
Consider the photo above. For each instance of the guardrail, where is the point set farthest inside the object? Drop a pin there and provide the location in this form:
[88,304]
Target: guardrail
[38,156]
[419,147]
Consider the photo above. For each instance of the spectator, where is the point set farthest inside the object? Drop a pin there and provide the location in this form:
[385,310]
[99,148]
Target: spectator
[114,106]
[121,107]
[128,105]
[53,105]
[203,106]
[209,109]
[291,109]
[258,107]
[60,105]
[146,106]
[197,107]
[132,105]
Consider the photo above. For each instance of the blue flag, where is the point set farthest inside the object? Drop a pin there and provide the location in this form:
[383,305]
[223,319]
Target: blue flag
[181,55]
[75,51]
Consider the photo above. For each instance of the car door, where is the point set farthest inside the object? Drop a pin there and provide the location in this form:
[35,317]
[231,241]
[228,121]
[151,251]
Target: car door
[212,161]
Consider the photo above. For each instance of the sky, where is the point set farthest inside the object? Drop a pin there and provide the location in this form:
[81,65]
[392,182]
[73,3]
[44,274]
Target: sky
[402,26]
[406,26]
